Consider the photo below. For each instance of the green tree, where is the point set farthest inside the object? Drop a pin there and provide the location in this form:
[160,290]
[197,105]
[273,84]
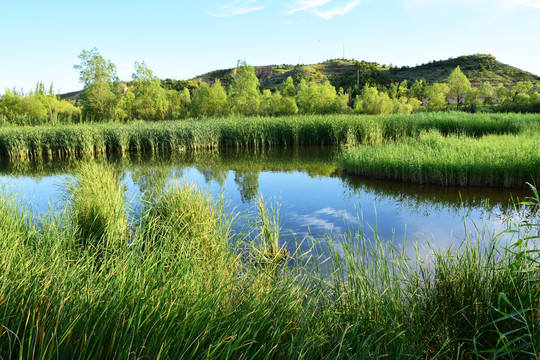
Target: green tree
[302,97]
[248,184]
[31,106]
[418,90]
[436,94]
[179,103]
[151,100]
[210,100]
[373,102]
[458,85]
[472,99]
[316,98]
[486,92]
[521,87]
[287,88]
[97,75]
[268,102]
[502,93]
[94,68]
[244,92]
[98,101]
[522,102]
[287,106]
[403,89]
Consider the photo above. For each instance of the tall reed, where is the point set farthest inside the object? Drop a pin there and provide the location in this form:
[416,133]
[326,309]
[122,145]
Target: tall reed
[505,160]
[154,137]
[96,206]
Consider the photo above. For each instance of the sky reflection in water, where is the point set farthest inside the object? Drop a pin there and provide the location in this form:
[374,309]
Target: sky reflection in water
[314,197]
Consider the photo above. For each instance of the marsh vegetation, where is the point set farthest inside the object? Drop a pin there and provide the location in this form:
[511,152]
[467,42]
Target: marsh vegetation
[81,284]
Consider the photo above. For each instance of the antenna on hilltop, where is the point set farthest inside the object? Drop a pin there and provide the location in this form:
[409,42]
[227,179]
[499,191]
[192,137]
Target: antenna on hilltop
[343,51]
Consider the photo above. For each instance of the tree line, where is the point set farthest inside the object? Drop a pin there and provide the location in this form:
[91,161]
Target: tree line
[105,98]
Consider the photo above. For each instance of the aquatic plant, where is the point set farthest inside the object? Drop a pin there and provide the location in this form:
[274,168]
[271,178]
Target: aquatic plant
[504,160]
[172,136]
[96,208]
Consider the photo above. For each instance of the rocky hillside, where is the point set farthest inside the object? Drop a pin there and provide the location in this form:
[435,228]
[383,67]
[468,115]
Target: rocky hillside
[350,73]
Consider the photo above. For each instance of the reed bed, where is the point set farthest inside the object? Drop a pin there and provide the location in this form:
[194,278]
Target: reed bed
[504,160]
[178,288]
[63,141]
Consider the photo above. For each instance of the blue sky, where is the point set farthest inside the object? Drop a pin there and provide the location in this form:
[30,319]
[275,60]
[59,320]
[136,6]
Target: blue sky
[180,39]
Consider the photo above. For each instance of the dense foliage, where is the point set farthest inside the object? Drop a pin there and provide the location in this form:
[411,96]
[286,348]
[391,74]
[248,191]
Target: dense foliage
[146,97]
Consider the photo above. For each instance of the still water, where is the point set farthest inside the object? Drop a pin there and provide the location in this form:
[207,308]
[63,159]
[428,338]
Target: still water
[315,197]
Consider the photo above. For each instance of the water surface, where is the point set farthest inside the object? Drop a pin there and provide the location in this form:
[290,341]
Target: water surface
[315,196]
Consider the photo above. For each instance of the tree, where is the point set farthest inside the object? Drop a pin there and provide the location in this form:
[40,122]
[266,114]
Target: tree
[522,102]
[287,88]
[244,91]
[98,100]
[210,100]
[403,89]
[151,99]
[458,85]
[418,90]
[521,87]
[373,102]
[502,93]
[97,75]
[94,68]
[486,92]
[179,103]
[248,184]
[436,94]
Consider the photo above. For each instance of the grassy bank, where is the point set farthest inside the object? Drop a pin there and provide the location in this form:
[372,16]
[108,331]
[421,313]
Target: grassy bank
[504,160]
[155,137]
[86,284]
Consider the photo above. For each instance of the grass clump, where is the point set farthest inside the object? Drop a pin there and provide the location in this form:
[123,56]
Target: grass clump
[268,223]
[185,221]
[96,207]
[505,160]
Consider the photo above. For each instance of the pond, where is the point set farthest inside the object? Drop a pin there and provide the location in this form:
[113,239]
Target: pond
[315,197]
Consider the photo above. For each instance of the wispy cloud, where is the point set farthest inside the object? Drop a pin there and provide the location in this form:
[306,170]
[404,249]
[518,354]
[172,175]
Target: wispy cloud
[340,10]
[238,7]
[318,8]
[529,3]
[303,5]
[486,3]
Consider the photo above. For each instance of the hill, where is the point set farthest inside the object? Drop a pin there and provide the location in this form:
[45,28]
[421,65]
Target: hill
[478,68]
[350,73]
[347,73]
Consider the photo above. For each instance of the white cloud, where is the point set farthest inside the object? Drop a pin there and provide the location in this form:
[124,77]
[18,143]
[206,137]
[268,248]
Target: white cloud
[348,218]
[530,3]
[315,7]
[303,5]
[485,3]
[313,221]
[238,7]
[340,10]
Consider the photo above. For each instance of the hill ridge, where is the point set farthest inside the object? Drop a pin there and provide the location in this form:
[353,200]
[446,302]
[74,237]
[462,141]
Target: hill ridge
[350,73]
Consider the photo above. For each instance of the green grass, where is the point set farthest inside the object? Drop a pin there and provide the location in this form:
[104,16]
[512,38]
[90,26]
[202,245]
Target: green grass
[96,206]
[504,160]
[178,288]
[145,137]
